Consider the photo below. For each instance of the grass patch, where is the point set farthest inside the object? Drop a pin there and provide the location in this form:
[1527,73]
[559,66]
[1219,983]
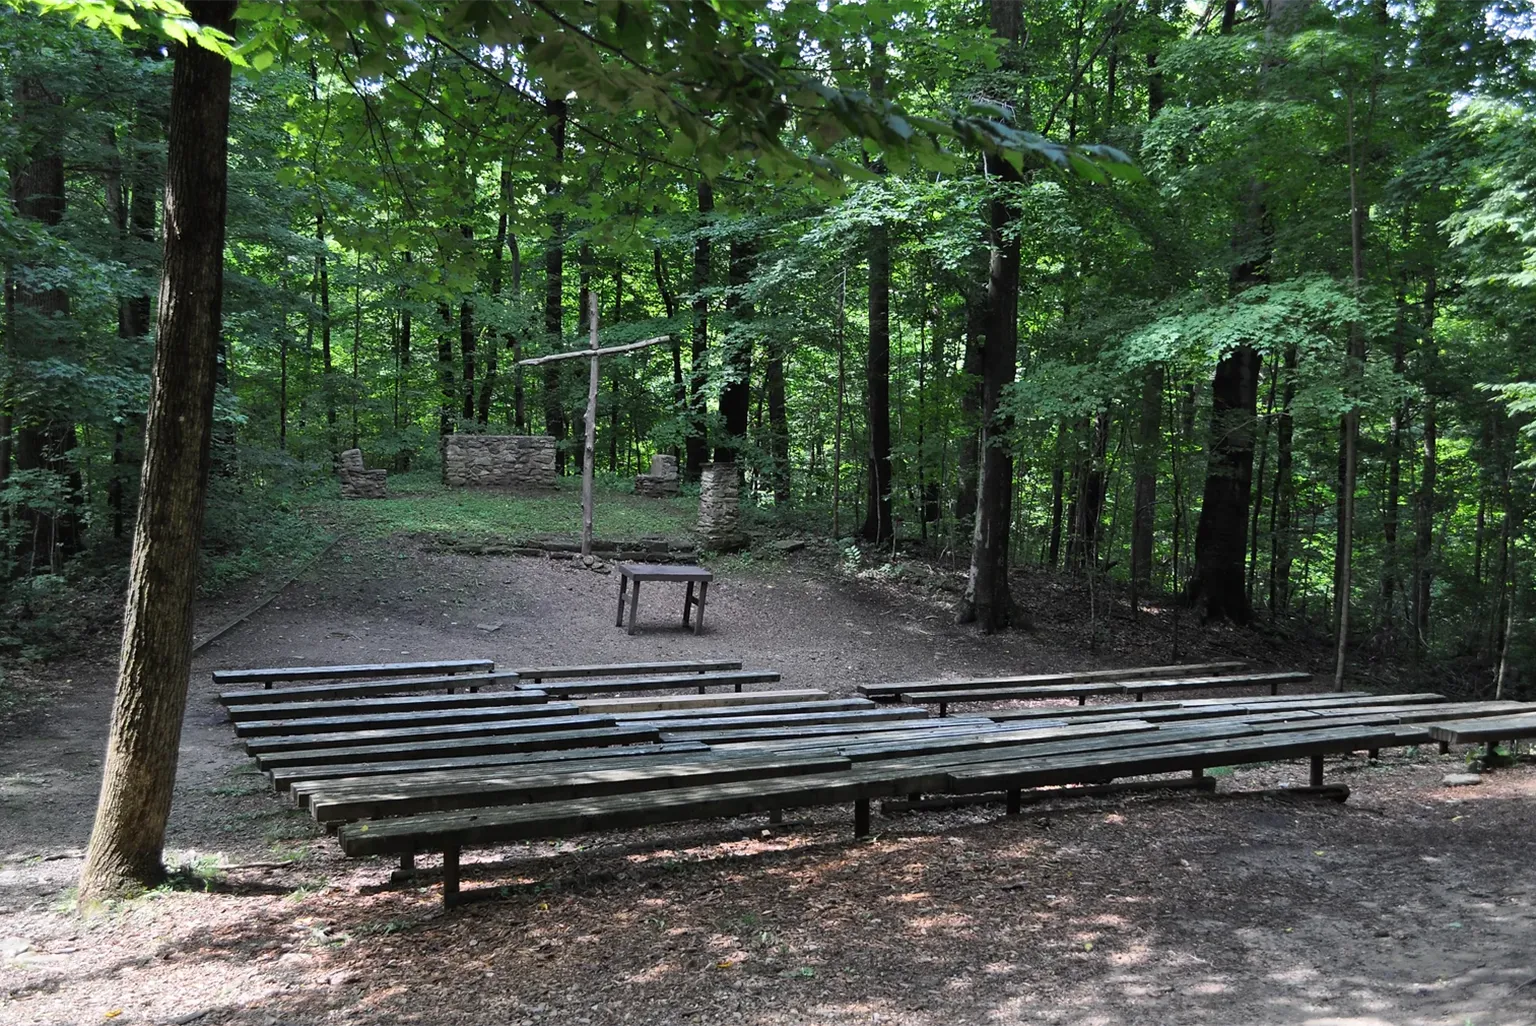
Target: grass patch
[419,504]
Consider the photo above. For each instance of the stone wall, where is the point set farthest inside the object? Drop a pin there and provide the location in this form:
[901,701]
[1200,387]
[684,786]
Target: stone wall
[662,481]
[499,461]
[358,482]
[720,508]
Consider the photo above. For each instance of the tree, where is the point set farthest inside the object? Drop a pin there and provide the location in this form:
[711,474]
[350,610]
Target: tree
[140,770]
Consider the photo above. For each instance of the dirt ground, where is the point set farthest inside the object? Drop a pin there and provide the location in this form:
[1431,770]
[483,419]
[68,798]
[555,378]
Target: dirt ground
[1410,905]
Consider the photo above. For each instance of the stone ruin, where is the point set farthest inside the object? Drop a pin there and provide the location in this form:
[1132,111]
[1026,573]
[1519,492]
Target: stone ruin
[357,482]
[720,508]
[499,461]
[662,482]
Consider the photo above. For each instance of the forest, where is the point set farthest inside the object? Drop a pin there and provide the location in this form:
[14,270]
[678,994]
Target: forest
[1208,303]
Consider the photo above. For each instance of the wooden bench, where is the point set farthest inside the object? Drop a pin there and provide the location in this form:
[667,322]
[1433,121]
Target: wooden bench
[409,796]
[748,703]
[541,673]
[298,723]
[730,678]
[451,832]
[893,692]
[637,572]
[999,693]
[286,777]
[480,744]
[448,683]
[290,674]
[416,735]
[386,703]
[1492,730]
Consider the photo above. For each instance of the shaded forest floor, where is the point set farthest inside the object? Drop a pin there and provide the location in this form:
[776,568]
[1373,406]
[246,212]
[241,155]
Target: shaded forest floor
[1412,904]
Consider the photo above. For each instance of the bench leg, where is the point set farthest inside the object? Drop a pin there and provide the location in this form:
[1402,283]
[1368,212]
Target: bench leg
[861,818]
[776,816]
[1274,689]
[943,709]
[698,622]
[1316,778]
[1014,801]
[687,603]
[1197,773]
[450,877]
[1445,748]
[623,586]
[1082,699]
[1373,754]
[408,862]
[634,606]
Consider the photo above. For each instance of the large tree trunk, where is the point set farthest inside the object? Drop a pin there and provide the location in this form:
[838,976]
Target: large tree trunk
[140,771]
[736,395]
[1148,445]
[1280,556]
[970,411]
[488,377]
[43,441]
[877,389]
[698,437]
[554,262]
[1425,512]
[447,386]
[987,600]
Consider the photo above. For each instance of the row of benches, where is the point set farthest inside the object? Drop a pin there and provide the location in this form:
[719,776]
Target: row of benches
[401,774]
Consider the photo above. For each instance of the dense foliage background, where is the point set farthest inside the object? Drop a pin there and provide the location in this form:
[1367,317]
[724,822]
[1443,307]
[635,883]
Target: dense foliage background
[1288,362]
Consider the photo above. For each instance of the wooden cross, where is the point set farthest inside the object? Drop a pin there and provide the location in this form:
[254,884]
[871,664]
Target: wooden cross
[591,353]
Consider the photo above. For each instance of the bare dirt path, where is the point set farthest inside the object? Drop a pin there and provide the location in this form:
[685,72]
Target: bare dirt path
[1410,906]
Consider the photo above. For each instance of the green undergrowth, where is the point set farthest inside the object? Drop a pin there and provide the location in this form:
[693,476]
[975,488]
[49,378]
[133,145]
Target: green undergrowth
[419,504]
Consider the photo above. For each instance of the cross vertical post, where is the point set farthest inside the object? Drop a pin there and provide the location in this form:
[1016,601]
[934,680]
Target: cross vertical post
[591,440]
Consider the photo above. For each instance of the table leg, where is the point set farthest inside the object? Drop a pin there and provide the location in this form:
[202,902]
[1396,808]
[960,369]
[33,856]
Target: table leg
[623,581]
[698,622]
[634,606]
[687,603]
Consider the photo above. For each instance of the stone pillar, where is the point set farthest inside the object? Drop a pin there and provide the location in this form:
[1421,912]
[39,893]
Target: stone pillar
[662,481]
[720,508]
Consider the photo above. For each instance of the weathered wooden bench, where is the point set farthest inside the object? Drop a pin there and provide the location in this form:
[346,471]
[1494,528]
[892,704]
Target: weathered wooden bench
[447,683]
[286,777]
[451,832]
[713,725]
[479,744]
[637,572]
[1002,693]
[542,673]
[481,789]
[384,703]
[416,735]
[673,682]
[887,692]
[297,722]
[748,703]
[268,676]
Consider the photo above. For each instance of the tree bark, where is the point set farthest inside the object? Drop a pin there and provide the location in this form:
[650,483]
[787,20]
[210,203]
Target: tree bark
[970,412]
[698,432]
[140,770]
[554,261]
[877,389]
[1280,555]
[448,399]
[736,394]
[1148,437]
[43,441]
[987,600]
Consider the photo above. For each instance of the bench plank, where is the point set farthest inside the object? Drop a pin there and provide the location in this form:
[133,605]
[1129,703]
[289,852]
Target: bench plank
[673,682]
[416,735]
[557,785]
[538,673]
[279,674]
[381,704]
[491,744]
[704,704]
[890,691]
[878,714]
[363,688]
[286,777]
[1495,728]
[506,711]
